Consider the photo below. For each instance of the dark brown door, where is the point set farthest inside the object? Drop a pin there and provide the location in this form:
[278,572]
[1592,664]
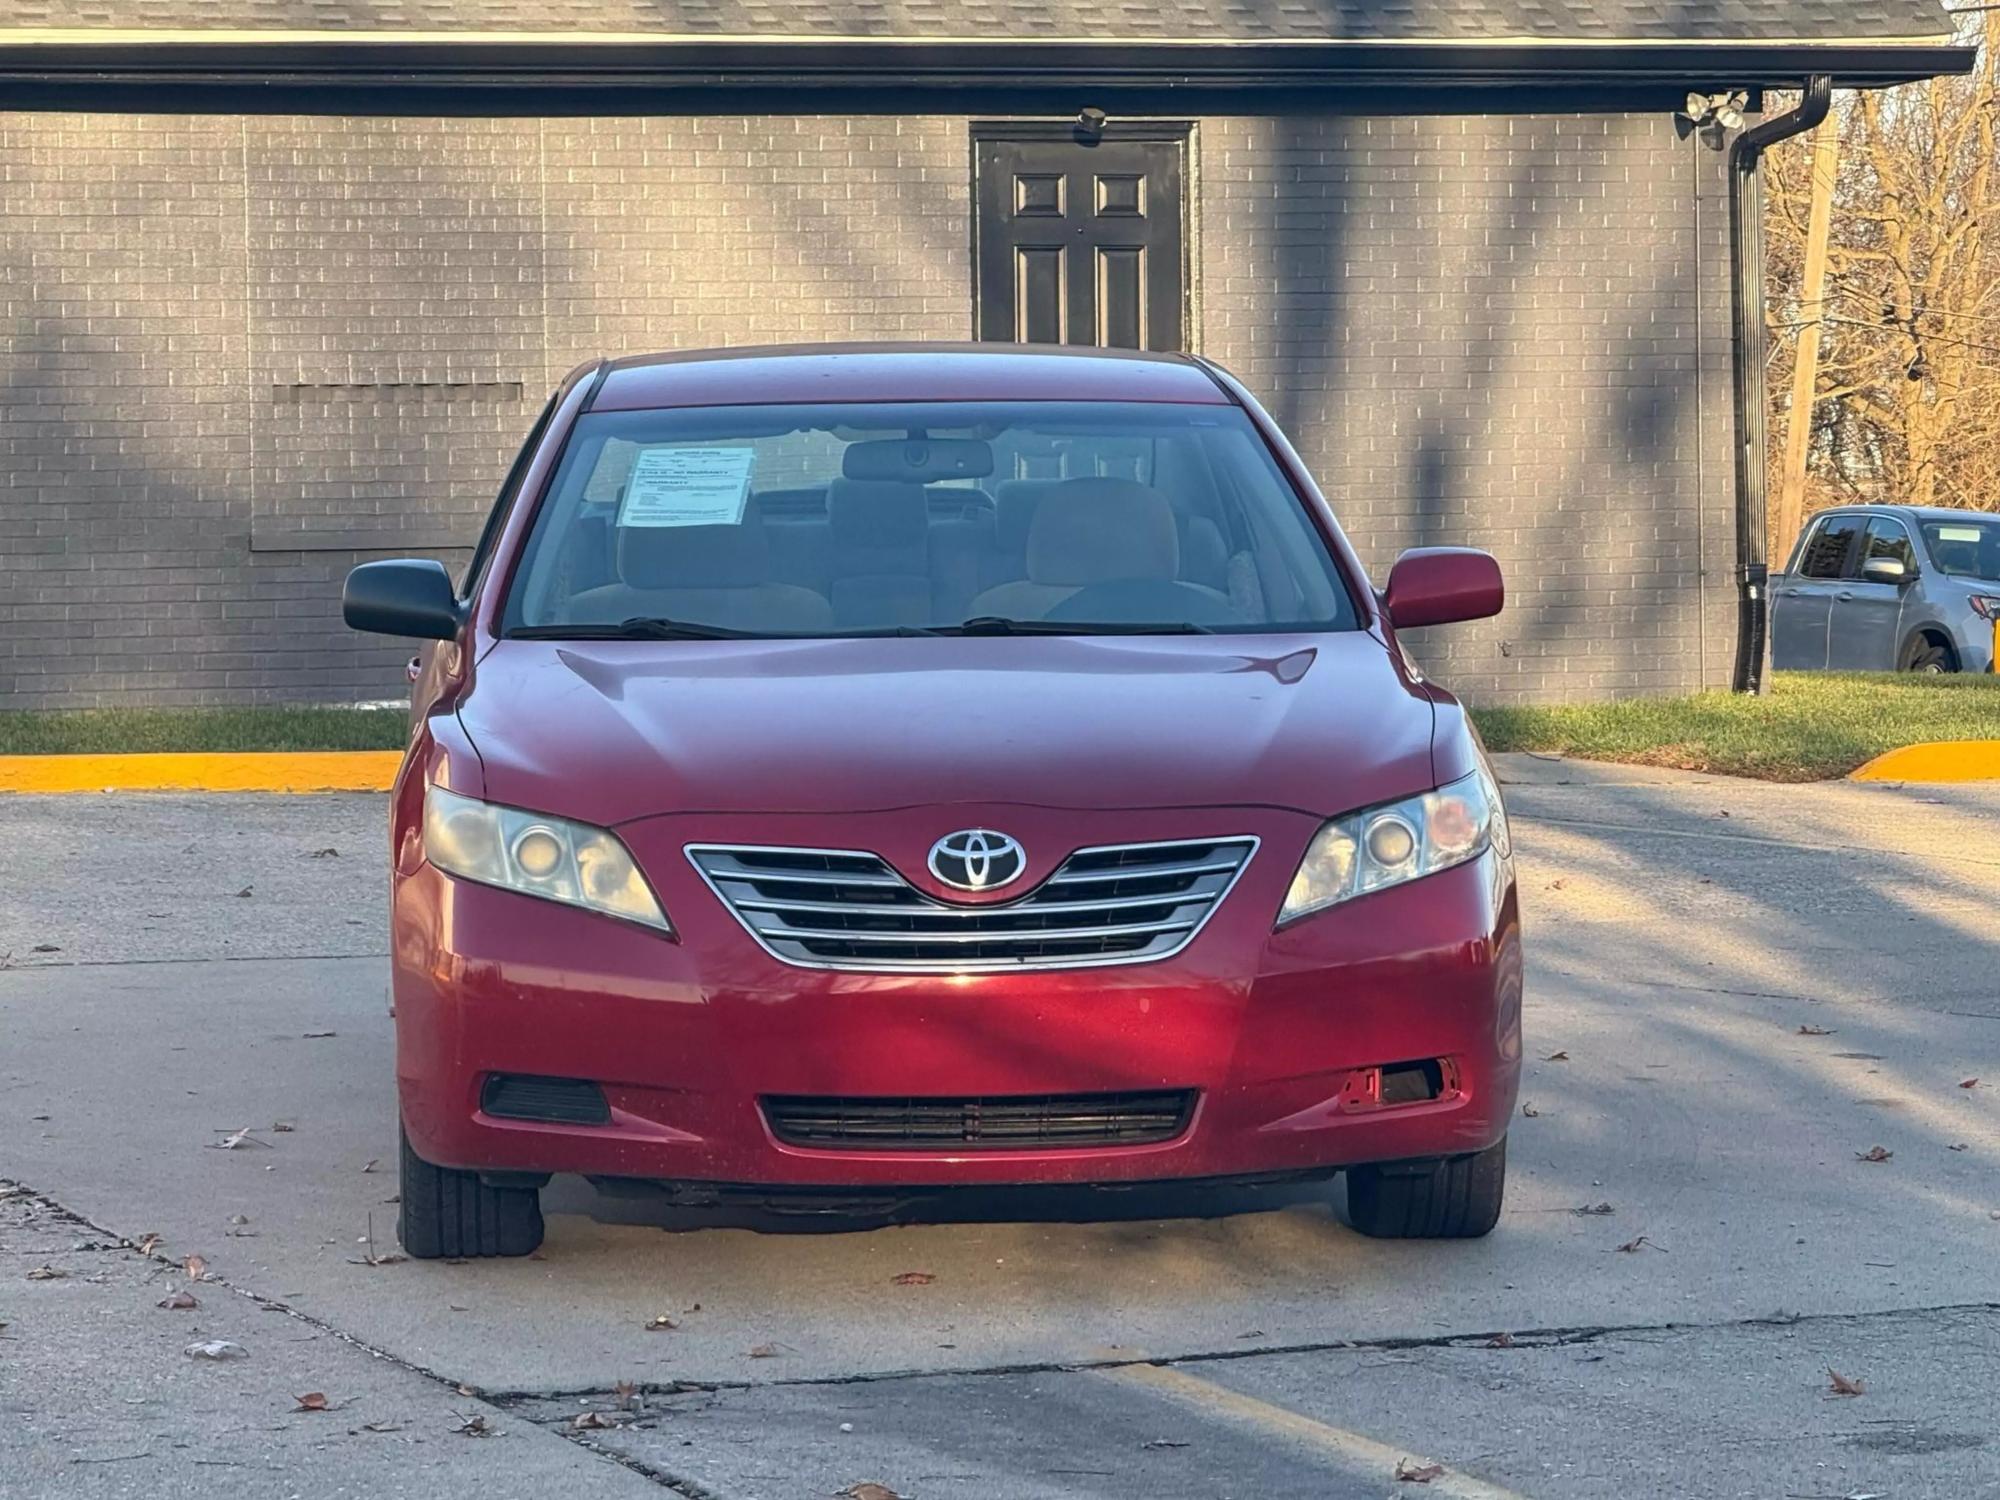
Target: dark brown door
[1081,243]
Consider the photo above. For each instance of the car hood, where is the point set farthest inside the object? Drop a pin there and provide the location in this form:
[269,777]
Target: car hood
[611,731]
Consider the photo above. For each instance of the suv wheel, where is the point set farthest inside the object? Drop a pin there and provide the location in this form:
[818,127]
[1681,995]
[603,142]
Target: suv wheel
[1927,654]
[1454,1199]
[448,1214]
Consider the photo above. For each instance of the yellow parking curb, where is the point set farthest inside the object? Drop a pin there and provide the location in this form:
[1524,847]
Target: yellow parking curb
[1940,760]
[274,771]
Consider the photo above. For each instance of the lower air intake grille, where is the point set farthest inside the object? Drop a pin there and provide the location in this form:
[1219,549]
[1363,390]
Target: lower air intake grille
[1022,1121]
[559,1101]
[844,909]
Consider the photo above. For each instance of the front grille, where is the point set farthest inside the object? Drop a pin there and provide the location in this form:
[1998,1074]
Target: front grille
[995,1124]
[837,909]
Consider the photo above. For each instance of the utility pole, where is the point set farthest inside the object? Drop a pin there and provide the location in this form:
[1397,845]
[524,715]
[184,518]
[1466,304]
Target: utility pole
[1812,303]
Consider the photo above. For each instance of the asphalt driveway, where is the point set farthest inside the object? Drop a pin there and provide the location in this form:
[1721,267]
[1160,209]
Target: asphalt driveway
[1737,994]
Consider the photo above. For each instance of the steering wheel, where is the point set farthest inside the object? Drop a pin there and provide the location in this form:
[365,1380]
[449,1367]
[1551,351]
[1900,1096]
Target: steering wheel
[1143,601]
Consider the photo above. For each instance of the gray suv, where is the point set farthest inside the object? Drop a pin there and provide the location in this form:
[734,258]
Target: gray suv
[1889,588]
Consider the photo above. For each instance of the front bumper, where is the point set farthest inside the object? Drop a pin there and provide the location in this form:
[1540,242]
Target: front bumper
[1277,1032]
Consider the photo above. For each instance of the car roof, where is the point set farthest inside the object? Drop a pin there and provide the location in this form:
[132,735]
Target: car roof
[1921,512]
[799,373]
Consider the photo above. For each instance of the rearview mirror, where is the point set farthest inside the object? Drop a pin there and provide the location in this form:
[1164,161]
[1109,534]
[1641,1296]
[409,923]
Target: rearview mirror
[1442,585]
[410,596]
[1884,570]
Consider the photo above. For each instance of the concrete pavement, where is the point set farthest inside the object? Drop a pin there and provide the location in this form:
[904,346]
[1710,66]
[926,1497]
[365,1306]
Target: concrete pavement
[1750,988]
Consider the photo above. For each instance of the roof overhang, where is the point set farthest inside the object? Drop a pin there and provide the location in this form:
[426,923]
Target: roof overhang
[294,72]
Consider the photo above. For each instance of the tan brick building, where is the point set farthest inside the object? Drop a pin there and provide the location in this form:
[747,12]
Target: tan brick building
[285,283]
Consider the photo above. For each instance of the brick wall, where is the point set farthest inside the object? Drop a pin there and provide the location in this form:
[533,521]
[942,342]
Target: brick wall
[241,355]
[1510,334]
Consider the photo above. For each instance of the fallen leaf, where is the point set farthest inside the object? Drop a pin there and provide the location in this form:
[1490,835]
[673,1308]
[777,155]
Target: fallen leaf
[1970,1083]
[763,1351]
[914,1278]
[1594,1210]
[1529,1111]
[1874,1153]
[661,1324]
[373,1163]
[236,1140]
[1816,1031]
[1410,1473]
[47,1273]
[239,1218]
[870,1491]
[319,1036]
[311,1401]
[325,854]
[215,1349]
[148,1243]
[178,1301]
[244,892]
[283,1127]
[45,948]
[1641,1243]
[1501,1341]
[1840,1385]
[1556,885]
[1557,1057]
[472,1426]
[466,1390]
[1164,1443]
[196,1267]
[590,1420]
[381,1426]
[627,1394]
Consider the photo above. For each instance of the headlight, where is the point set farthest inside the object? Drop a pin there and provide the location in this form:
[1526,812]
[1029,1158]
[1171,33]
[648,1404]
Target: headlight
[1384,846]
[537,855]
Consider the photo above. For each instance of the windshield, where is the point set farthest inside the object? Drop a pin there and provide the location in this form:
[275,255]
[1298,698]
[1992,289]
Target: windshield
[1965,549]
[991,517]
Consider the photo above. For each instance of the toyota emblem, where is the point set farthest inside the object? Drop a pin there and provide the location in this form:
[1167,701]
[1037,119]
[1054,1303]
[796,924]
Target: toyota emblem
[977,859]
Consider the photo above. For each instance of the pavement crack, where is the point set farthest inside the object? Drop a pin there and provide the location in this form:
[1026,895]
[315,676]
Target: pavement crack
[116,1241]
[1517,1339]
[679,1484]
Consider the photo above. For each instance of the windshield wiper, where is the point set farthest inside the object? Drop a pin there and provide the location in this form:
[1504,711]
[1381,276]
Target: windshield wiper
[1001,625]
[638,628]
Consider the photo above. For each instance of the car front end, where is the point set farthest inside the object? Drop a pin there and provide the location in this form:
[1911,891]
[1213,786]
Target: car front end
[1174,870]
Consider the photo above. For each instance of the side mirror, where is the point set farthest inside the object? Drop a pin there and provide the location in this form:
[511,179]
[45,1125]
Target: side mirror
[1441,585]
[1884,570]
[410,596]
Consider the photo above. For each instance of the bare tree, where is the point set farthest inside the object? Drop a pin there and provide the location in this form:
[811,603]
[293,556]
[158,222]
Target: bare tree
[1907,402]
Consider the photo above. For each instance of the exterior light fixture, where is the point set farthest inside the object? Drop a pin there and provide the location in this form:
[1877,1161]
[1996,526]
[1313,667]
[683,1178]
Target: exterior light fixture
[1711,115]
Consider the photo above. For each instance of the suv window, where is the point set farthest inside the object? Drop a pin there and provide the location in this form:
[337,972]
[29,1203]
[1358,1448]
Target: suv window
[1824,554]
[1889,538]
[1968,548]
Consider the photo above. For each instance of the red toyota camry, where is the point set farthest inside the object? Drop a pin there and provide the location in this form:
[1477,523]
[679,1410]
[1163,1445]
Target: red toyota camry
[890,767]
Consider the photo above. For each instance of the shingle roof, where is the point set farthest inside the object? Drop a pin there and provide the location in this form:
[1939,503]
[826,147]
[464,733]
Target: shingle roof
[1463,21]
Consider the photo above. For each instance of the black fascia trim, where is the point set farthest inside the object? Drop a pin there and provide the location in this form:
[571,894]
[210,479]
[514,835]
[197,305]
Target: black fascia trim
[515,78]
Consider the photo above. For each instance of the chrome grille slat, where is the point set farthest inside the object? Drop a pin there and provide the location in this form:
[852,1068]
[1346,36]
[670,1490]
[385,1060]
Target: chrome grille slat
[848,909]
[983,935]
[1134,872]
[907,908]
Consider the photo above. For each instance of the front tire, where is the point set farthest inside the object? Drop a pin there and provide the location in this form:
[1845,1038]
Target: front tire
[451,1215]
[1454,1199]
[1929,655]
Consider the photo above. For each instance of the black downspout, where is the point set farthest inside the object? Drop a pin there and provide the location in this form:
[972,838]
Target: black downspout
[1746,264]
